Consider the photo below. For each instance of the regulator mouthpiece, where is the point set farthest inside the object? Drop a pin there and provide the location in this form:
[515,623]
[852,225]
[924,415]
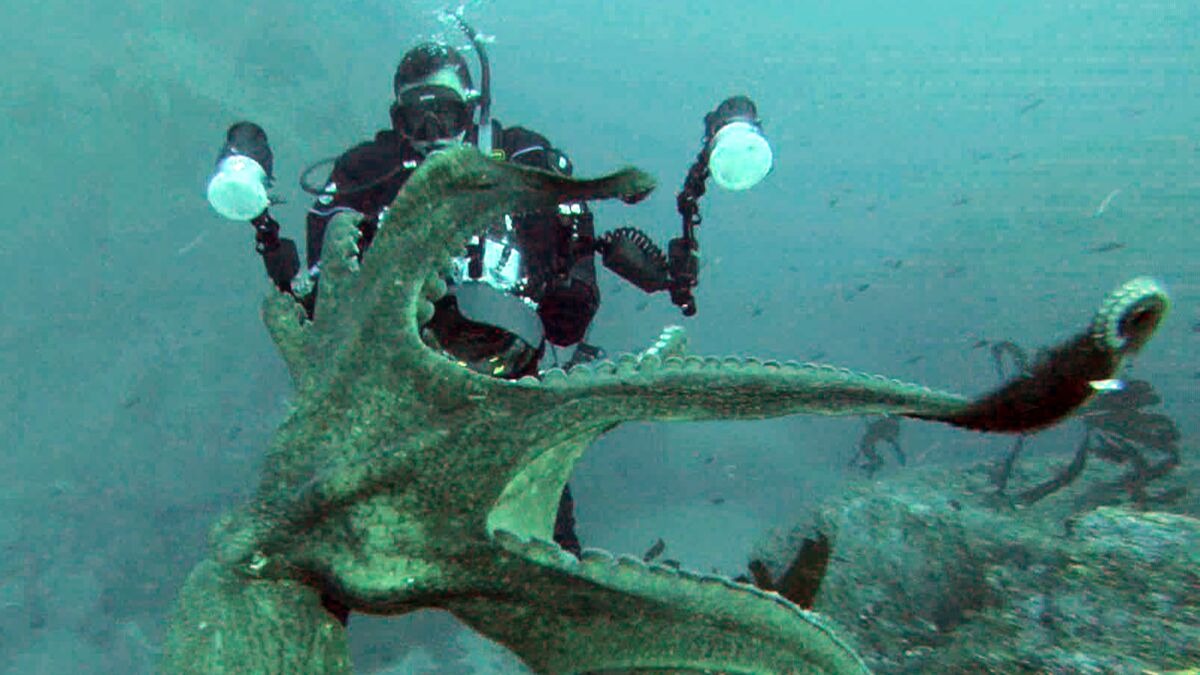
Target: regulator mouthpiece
[739,156]
[238,188]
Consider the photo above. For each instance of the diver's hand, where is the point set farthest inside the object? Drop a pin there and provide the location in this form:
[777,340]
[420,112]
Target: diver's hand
[282,263]
[280,257]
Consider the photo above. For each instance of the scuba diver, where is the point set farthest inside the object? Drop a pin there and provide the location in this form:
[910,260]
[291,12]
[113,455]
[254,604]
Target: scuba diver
[529,276]
[524,284]
[531,279]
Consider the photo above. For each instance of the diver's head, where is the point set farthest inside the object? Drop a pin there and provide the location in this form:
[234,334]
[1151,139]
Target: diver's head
[435,103]
[428,60]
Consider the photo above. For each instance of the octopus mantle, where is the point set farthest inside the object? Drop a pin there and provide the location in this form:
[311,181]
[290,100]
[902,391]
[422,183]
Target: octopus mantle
[401,480]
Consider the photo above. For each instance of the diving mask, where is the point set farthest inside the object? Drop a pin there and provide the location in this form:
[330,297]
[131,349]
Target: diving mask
[430,112]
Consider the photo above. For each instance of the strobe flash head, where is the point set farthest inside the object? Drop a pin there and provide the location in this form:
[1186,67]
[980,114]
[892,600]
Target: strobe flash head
[739,156]
[238,188]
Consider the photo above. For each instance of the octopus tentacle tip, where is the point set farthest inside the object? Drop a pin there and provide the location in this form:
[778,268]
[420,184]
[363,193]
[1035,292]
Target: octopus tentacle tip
[1130,314]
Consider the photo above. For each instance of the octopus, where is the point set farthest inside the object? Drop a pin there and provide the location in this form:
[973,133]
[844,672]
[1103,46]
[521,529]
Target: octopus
[401,480]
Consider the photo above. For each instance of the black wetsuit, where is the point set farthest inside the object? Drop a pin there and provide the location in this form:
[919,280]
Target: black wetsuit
[556,247]
[556,252]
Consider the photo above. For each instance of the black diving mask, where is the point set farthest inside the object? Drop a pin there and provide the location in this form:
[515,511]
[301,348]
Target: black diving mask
[431,112]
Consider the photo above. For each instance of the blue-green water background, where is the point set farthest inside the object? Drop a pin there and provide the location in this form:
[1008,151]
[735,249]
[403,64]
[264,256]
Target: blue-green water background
[140,386]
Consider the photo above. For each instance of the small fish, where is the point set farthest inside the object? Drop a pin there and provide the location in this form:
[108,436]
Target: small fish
[1106,247]
[183,250]
[1196,327]
[717,501]
[1015,156]
[1105,202]
[960,201]
[851,293]
[1031,106]
[654,551]
[913,359]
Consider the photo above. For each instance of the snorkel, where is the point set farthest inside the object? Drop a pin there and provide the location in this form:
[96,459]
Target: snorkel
[484,142]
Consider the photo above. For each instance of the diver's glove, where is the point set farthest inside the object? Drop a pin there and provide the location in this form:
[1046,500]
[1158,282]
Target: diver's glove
[279,255]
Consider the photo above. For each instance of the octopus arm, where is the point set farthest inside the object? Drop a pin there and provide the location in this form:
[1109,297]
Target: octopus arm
[605,614]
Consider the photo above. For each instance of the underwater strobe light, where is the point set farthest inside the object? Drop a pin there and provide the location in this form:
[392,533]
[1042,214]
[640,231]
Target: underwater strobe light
[238,188]
[739,156]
